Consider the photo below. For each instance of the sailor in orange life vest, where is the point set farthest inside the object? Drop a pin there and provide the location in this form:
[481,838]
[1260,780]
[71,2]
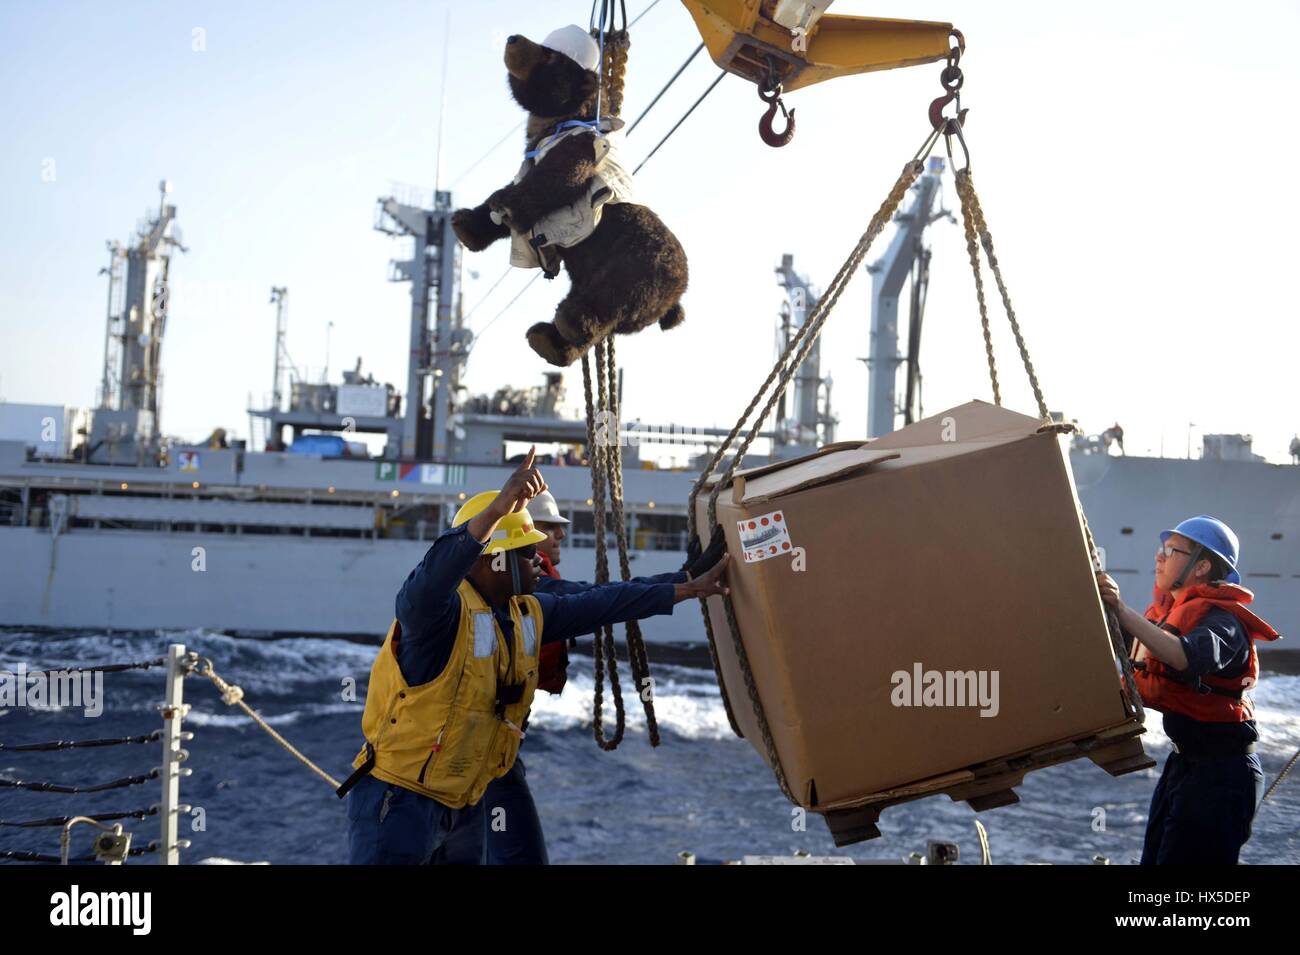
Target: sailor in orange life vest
[1195,661]
[520,841]
[453,682]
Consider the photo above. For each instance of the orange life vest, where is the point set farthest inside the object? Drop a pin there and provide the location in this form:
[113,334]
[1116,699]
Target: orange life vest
[1217,699]
[553,664]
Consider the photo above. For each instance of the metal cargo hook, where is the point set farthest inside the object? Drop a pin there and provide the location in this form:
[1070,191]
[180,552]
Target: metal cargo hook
[765,130]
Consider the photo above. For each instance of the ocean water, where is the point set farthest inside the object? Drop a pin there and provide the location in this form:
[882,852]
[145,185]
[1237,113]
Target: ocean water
[703,790]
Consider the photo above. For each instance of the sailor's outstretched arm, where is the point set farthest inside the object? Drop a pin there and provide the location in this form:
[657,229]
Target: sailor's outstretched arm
[576,614]
[563,588]
[581,613]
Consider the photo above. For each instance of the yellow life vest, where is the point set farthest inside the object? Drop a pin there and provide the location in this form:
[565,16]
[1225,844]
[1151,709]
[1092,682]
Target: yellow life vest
[446,739]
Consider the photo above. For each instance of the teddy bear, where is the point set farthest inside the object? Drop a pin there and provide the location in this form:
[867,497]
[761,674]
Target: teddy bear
[570,204]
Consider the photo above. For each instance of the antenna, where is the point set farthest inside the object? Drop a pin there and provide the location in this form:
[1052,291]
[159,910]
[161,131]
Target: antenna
[325,375]
[280,299]
[442,104]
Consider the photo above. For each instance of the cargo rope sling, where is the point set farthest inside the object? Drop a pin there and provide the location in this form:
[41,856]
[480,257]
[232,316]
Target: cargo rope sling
[604,454]
[796,350]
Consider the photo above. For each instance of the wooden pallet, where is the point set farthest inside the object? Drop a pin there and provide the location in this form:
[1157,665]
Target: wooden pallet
[991,785]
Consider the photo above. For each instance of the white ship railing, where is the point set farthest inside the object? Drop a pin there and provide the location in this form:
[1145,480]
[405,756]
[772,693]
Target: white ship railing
[113,845]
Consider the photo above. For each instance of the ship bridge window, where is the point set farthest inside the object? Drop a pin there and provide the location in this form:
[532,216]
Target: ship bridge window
[1126,530]
[1275,536]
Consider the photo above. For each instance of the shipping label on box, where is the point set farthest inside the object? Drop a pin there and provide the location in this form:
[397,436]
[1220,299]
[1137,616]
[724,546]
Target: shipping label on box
[764,536]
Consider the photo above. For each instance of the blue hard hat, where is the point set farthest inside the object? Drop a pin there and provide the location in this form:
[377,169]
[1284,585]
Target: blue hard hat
[1215,536]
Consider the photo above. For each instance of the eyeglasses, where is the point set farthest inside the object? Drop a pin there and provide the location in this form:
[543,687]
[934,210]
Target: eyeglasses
[1168,551]
[528,551]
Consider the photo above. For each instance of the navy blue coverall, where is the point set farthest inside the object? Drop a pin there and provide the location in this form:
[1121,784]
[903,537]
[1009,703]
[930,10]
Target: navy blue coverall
[1203,806]
[389,824]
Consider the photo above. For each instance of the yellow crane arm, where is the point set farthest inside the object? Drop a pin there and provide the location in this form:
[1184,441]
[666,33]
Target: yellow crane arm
[743,36]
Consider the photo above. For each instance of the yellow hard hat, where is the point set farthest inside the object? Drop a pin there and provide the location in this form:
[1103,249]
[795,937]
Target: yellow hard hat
[515,530]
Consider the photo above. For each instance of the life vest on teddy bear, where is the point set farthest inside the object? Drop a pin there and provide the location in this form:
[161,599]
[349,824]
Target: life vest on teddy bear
[574,223]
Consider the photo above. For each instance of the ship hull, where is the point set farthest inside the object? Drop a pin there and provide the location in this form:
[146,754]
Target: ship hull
[139,580]
[281,584]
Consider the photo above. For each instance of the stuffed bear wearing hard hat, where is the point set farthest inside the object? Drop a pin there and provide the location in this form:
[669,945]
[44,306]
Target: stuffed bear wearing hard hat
[570,205]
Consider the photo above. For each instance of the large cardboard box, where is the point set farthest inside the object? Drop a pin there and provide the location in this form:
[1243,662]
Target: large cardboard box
[915,606]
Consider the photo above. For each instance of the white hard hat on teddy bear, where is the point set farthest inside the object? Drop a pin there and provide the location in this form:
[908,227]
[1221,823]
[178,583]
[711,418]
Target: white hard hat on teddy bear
[575,43]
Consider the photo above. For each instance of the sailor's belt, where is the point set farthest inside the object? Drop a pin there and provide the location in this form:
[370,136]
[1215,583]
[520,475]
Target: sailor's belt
[1212,750]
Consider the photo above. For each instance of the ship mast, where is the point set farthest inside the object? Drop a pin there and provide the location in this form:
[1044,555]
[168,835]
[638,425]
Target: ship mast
[126,427]
[906,257]
[813,424]
[437,354]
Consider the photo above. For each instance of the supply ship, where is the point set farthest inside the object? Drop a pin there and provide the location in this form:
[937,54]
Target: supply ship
[107,525]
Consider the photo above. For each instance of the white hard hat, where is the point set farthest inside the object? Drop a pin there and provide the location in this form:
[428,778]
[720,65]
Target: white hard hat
[545,511]
[575,43]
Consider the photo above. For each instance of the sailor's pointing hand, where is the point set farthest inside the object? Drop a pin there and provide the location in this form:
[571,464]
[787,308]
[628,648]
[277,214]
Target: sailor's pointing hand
[524,485]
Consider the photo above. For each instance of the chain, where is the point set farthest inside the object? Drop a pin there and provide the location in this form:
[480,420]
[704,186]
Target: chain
[966,188]
[972,250]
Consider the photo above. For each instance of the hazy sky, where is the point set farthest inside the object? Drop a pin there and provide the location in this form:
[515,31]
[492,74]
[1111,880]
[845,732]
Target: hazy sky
[1135,161]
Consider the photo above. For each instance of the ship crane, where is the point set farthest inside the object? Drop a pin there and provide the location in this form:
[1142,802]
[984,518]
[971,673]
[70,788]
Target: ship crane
[908,257]
[784,45]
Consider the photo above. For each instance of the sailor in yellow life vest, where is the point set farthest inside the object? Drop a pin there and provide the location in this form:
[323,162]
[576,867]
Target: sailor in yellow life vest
[451,688]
